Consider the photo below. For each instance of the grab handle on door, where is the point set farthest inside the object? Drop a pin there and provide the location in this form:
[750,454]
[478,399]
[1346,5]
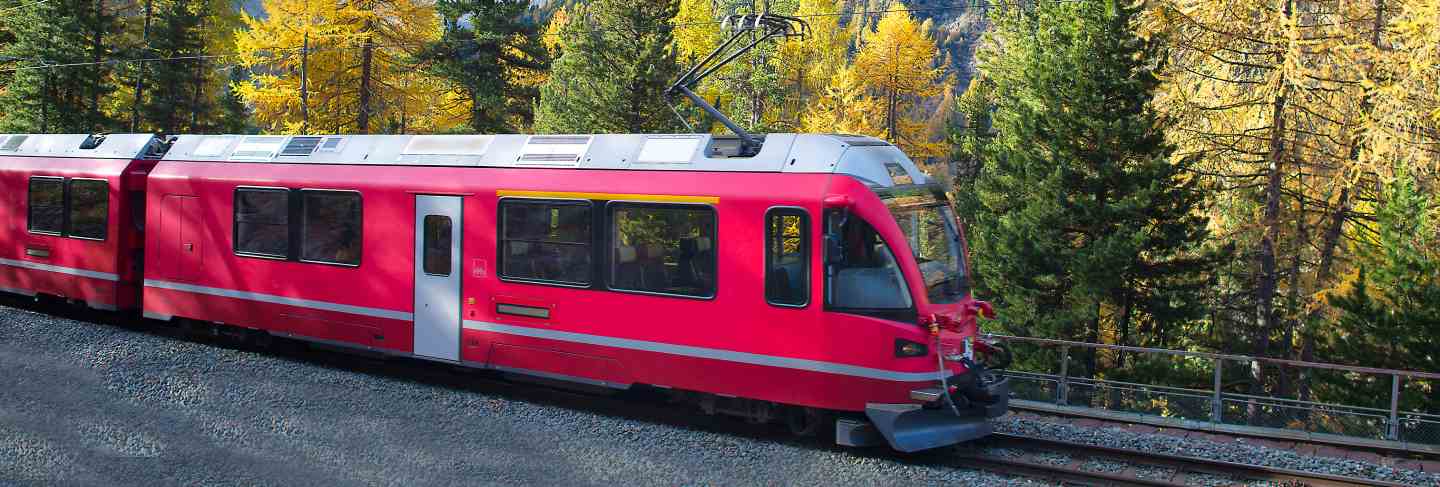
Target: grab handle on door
[40,252]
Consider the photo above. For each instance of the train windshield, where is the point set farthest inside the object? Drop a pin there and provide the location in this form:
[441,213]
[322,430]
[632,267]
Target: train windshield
[929,226]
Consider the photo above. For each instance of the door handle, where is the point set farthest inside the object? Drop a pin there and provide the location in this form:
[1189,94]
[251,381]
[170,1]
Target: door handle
[189,247]
[37,252]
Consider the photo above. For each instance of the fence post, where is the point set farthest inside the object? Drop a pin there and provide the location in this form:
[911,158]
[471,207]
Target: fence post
[1394,434]
[1062,389]
[1216,406]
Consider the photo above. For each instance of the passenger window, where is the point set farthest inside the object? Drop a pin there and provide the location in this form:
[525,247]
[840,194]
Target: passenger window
[666,249]
[262,222]
[89,208]
[787,262]
[331,227]
[437,245]
[546,241]
[47,205]
[861,272]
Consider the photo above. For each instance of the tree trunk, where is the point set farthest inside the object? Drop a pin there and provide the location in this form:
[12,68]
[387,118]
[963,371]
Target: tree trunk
[1126,308]
[198,80]
[140,72]
[1267,280]
[97,51]
[367,60]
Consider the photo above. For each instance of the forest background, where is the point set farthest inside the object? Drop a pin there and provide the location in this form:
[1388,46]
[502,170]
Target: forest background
[1251,177]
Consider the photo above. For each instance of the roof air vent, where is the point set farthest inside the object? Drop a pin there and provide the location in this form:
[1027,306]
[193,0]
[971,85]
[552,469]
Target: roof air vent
[300,146]
[13,144]
[554,150]
[257,148]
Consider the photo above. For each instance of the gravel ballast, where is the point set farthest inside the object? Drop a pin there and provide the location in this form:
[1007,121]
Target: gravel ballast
[1237,452]
[86,403]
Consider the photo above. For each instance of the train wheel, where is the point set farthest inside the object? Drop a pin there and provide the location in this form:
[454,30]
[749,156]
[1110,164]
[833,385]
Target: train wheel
[808,422]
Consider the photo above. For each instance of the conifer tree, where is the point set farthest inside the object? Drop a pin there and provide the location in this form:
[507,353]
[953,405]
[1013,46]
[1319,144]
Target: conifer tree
[1085,225]
[1391,308]
[43,97]
[173,104]
[487,50]
[616,60]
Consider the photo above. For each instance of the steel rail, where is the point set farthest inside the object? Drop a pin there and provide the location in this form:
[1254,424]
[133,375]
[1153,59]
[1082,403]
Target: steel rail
[1182,468]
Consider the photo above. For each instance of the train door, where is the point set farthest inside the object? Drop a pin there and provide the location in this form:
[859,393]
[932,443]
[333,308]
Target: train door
[437,276]
[180,253]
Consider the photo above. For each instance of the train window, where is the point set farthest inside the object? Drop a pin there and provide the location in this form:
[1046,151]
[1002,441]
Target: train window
[47,205]
[862,275]
[262,222]
[787,262]
[89,208]
[546,241]
[331,227]
[663,249]
[437,245]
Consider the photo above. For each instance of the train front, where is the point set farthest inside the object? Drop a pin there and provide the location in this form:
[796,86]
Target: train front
[895,266]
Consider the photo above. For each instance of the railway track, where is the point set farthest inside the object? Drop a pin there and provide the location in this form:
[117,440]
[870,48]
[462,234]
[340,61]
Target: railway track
[1060,462]
[1069,463]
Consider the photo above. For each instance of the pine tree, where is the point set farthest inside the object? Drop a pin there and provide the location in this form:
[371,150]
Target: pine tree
[1390,311]
[1087,227]
[43,97]
[616,60]
[172,104]
[487,51]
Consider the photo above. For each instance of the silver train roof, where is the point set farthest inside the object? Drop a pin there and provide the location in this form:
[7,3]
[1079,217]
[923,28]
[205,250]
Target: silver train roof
[113,146]
[873,160]
[806,153]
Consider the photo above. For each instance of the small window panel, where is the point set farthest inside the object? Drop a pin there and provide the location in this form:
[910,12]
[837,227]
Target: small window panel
[661,149]
[663,249]
[898,176]
[262,222]
[46,213]
[258,148]
[212,146]
[331,228]
[331,144]
[300,146]
[787,257]
[437,242]
[546,241]
[89,208]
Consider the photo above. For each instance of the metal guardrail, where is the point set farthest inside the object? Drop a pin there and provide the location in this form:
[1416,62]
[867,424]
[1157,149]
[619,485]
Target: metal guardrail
[1215,406]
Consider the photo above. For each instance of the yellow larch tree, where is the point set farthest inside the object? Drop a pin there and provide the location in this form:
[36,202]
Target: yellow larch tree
[806,65]
[358,68]
[896,74]
[1299,110]
[1248,93]
[844,107]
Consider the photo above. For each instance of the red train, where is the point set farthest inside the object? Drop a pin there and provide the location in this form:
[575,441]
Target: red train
[824,277]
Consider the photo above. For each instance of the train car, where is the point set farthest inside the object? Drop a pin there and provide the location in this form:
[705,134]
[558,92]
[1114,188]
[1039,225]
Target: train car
[72,207]
[824,274]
